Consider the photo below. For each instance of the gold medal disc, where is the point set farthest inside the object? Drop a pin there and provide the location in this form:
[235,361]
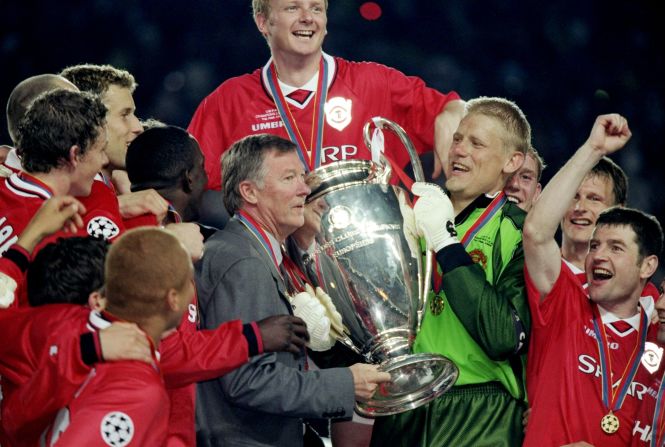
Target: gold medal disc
[609,423]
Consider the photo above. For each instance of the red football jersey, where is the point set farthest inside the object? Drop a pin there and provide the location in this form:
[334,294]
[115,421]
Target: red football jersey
[564,371]
[357,92]
[44,350]
[121,403]
[644,428]
[22,194]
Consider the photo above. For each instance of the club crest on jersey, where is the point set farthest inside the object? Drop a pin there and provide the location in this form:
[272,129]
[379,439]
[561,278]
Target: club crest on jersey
[102,227]
[479,257]
[117,429]
[652,356]
[338,112]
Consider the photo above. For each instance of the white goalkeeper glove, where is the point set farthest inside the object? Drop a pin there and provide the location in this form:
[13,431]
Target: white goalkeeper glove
[435,216]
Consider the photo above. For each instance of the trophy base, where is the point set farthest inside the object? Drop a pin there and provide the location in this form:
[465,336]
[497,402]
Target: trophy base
[416,380]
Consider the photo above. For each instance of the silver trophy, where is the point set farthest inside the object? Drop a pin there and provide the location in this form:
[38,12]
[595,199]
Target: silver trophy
[381,276]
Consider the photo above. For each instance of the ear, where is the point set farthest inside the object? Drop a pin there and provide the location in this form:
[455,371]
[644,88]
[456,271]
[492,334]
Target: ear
[261,23]
[187,182]
[74,155]
[249,192]
[513,163]
[648,266]
[172,300]
[96,301]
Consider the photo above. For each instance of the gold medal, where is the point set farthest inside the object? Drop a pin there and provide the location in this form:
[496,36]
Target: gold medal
[609,423]
[436,305]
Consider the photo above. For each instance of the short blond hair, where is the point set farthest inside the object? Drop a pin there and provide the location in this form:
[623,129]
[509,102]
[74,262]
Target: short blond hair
[509,115]
[141,267]
[263,7]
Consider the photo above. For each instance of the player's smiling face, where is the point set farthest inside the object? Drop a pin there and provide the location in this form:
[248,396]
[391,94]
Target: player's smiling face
[593,197]
[477,160]
[613,268]
[121,123]
[294,27]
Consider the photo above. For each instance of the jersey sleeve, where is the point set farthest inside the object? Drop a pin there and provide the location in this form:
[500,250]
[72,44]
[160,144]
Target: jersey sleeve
[417,104]
[206,127]
[13,265]
[495,315]
[34,404]
[129,407]
[561,304]
[189,357]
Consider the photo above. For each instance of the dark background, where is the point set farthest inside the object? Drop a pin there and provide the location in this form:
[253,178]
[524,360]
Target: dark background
[563,62]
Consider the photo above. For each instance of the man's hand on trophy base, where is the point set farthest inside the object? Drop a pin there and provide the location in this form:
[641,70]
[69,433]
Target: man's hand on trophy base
[283,333]
[365,380]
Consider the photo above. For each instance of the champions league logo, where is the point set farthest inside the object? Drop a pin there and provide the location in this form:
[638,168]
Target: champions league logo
[102,227]
[117,429]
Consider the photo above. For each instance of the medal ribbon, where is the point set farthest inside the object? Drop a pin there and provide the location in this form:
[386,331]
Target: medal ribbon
[313,160]
[487,215]
[259,234]
[296,276]
[655,427]
[613,400]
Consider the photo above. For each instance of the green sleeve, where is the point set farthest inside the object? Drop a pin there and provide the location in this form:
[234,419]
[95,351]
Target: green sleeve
[496,316]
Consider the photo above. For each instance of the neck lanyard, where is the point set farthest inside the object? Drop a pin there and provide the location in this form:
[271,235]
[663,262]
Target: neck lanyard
[613,400]
[310,155]
[492,209]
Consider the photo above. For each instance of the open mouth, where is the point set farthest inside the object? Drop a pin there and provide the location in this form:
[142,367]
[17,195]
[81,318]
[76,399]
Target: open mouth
[304,34]
[599,274]
[514,199]
[459,168]
[581,221]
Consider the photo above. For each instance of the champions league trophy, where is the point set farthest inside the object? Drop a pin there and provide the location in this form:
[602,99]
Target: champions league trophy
[365,231]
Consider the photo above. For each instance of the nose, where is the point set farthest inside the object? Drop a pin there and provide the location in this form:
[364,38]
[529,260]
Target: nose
[303,189]
[512,184]
[458,148]
[306,15]
[136,126]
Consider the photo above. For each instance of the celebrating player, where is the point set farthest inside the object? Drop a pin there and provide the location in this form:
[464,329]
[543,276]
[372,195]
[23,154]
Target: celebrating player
[586,352]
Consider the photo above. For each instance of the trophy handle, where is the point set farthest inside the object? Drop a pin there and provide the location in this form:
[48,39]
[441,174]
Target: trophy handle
[382,123]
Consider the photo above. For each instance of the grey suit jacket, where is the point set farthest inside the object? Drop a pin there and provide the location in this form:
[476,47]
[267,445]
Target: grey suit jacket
[260,403]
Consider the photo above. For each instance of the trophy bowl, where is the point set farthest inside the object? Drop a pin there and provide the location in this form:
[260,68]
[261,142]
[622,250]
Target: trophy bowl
[365,234]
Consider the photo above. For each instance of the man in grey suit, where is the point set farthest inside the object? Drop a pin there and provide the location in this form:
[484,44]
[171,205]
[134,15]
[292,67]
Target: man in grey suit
[262,403]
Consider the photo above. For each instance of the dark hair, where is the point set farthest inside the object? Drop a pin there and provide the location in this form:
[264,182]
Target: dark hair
[608,169]
[244,161]
[54,122]
[159,156]
[67,271]
[647,229]
[26,92]
[98,78]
